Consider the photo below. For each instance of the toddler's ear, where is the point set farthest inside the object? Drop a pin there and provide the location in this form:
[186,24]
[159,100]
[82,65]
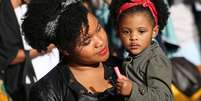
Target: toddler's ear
[155,31]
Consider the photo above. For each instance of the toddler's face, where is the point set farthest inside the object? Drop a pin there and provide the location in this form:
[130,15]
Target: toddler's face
[136,32]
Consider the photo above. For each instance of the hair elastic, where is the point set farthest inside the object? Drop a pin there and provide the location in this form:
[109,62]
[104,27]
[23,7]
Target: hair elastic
[144,3]
[51,25]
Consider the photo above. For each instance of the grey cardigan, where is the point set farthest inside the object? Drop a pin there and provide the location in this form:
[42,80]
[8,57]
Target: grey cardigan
[151,73]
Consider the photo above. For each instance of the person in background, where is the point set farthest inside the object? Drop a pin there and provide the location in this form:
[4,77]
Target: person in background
[18,62]
[197,14]
[186,31]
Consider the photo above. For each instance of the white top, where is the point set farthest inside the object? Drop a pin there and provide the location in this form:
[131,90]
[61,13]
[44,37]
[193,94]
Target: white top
[186,33]
[42,64]
[198,6]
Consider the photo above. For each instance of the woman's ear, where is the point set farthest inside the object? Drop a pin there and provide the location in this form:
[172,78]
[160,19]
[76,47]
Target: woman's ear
[155,31]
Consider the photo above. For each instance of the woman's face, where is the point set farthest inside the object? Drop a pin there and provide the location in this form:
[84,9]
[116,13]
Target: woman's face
[136,32]
[95,49]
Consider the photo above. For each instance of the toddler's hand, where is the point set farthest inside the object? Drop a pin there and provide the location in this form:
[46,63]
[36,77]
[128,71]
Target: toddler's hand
[124,85]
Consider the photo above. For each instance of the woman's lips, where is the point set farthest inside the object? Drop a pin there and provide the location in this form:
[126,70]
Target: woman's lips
[103,51]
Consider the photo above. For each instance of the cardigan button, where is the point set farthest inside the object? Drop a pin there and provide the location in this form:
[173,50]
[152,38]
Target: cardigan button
[142,91]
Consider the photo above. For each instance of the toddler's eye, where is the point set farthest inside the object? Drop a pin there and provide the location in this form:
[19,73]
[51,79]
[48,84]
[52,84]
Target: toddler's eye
[141,31]
[124,32]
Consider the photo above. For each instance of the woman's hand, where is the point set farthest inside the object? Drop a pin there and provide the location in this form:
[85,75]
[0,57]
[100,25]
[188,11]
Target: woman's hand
[49,50]
[50,47]
[34,53]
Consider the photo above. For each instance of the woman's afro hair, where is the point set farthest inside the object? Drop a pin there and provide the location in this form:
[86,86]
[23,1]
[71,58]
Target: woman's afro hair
[38,14]
[69,23]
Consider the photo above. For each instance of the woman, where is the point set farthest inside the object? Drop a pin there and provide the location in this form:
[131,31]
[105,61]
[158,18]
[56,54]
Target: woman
[82,75]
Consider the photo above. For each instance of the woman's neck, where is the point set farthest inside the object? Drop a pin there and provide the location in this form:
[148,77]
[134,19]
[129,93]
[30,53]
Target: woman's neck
[76,67]
[91,78]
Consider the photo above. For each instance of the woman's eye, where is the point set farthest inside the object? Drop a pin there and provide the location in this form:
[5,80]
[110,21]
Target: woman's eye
[98,28]
[85,43]
[85,40]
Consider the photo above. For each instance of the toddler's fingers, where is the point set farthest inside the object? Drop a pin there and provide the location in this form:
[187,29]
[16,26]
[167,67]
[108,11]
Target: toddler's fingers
[119,75]
[118,92]
[119,84]
[118,87]
[124,77]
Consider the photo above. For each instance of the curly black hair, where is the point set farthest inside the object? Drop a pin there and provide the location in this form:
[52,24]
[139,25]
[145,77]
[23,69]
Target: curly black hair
[161,7]
[72,20]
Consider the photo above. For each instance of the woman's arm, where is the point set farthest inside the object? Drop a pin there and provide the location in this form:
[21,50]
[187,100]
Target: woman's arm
[20,57]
